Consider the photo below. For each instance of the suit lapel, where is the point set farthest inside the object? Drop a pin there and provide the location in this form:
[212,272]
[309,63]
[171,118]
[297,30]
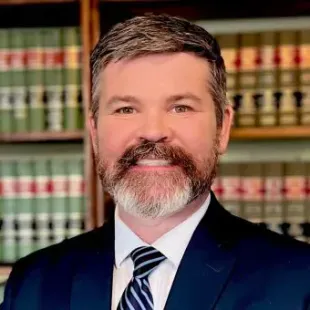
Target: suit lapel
[92,283]
[206,264]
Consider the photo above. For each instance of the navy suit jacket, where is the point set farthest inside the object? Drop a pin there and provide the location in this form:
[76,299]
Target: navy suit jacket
[229,264]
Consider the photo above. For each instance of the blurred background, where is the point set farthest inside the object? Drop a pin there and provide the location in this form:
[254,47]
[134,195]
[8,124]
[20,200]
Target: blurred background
[48,187]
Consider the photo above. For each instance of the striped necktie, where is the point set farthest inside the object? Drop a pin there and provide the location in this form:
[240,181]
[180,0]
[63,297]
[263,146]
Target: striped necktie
[137,295]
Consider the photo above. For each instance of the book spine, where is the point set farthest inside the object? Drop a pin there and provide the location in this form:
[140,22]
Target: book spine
[76,204]
[6,108]
[18,68]
[273,196]
[58,199]
[305,76]
[252,191]
[248,68]
[9,230]
[267,79]
[34,79]
[42,202]
[24,207]
[294,199]
[53,77]
[72,78]
[230,187]
[229,49]
[288,78]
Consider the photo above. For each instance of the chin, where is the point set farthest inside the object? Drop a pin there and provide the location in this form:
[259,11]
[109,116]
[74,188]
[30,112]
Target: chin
[150,199]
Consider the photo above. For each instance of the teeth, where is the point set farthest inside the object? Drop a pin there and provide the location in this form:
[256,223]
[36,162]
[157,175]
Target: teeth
[153,162]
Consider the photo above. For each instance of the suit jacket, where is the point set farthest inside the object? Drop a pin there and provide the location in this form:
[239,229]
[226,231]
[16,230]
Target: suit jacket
[229,264]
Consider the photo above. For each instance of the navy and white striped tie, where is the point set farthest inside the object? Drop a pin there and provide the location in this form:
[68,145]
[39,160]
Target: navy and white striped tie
[137,295]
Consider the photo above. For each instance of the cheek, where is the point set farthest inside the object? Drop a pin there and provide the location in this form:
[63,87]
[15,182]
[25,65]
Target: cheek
[198,138]
[112,141]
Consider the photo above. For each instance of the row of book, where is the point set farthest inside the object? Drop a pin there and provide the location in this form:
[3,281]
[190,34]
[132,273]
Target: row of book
[42,201]
[268,76]
[40,79]
[274,194]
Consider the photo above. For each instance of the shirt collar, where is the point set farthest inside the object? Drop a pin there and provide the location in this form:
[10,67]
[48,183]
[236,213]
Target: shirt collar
[170,244]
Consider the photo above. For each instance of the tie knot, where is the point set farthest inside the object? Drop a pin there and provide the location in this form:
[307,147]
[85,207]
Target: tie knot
[146,259]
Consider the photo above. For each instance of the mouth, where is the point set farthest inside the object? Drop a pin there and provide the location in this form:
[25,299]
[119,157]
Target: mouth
[153,163]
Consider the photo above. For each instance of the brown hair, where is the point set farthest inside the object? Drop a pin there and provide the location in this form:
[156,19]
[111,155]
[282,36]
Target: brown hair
[157,34]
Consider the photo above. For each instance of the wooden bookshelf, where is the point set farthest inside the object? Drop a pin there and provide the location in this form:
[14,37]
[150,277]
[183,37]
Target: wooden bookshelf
[17,2]
[268,133]
[42,136]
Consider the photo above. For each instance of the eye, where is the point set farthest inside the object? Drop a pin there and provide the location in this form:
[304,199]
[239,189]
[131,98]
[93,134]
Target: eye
[125,110]
[182,108]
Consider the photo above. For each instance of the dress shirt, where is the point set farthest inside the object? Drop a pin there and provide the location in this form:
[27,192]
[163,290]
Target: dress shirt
[172,244]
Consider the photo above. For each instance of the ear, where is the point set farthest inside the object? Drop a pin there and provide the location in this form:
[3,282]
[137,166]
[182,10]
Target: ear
[92,129]
[224,134]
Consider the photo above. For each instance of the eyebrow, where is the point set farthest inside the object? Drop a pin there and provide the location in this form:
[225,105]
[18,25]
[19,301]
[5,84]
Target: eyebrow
[131,99]
[117,99]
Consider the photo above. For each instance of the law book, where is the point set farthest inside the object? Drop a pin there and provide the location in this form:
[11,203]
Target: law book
[76,206]
[267,79]
[42,177]
[229,50]
[58,199]
[252,191]
[273,195]
[72,71]
[305,75]
[294,197]
[18,73]
[8,210]
[230,187]
[248,67]
[53,77]
[24,202]
[6,107]
[288,77]
[35,79]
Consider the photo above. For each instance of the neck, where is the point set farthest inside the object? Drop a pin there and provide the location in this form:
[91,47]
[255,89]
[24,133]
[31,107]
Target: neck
[149,230]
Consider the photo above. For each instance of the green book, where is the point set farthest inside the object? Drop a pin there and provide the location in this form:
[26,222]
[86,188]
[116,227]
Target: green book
[72,78]
[34,79]
[9,231]
[53,77]
[42,202]
[76,196]
[58,199]
[6,111]
[24,206]
[19,90]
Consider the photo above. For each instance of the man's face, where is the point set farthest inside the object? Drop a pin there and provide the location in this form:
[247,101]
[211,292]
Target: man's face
[156,139]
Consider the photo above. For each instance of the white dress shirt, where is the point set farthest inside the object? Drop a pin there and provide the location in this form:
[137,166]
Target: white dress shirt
[172,244]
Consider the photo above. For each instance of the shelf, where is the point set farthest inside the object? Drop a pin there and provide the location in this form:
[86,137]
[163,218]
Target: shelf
[42,136]
[266,133]
[16,2]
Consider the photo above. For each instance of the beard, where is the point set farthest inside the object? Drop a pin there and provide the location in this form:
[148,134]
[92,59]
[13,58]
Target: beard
[150,194]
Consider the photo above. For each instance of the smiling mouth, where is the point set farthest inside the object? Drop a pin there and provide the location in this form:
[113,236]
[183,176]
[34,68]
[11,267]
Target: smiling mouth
[153,162]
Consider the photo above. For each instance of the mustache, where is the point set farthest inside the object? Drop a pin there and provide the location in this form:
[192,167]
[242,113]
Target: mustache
[156,150]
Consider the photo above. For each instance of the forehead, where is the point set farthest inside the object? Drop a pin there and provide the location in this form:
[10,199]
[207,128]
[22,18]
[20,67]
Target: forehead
[163,72]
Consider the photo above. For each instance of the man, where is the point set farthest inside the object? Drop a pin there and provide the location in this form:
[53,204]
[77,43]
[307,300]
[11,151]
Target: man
[159,122]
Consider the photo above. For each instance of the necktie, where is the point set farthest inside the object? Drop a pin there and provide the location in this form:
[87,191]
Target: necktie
[137,295]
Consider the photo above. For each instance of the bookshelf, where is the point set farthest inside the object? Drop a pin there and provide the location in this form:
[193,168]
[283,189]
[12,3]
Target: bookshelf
[42,136]
[23,2]
[95,17]
[265,133]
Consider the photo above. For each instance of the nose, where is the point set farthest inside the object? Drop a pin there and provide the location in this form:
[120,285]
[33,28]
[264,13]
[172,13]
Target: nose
[155,128]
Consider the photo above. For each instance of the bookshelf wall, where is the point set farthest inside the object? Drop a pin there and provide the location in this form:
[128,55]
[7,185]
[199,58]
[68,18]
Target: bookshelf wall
[46,156]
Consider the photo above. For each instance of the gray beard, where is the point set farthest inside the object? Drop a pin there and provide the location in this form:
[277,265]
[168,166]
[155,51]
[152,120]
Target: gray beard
[150,195]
